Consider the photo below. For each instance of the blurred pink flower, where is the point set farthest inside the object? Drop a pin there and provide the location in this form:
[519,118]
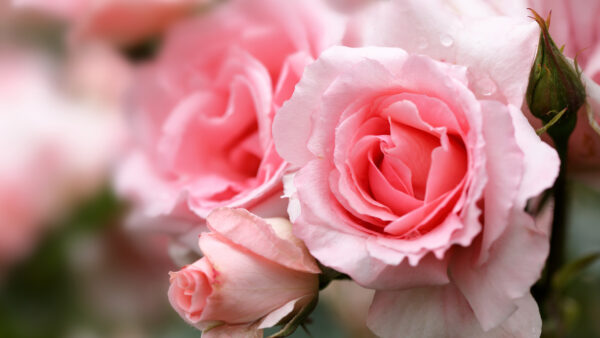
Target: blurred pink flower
[416,165]
[254,274]
[121,22]
[54,147]
[203,110]
[99,74]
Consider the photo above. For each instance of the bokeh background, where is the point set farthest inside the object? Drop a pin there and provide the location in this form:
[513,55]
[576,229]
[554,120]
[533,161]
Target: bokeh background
[78,270]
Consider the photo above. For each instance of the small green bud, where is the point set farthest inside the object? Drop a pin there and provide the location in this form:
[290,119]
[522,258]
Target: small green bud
[555,86]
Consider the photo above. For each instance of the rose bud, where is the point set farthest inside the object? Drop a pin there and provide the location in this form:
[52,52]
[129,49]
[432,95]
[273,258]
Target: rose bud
[555,86]
[254,275]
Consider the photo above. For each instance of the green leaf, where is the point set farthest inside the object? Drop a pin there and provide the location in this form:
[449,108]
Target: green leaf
[569,271]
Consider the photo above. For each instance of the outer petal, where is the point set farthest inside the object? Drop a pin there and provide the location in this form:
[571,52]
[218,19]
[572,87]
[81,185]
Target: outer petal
[136,171]
[273,243]
[541,162]
[402,313]
[498,50]
[247,286]
[505,170]
[430,271]
[515,263]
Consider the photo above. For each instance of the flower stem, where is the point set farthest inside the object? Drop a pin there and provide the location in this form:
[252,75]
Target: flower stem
[556,257]
[547,297]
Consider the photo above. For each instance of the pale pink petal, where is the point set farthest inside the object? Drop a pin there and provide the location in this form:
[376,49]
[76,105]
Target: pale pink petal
[249,286]
[438,311]
[541,162]
[502,154]
[189,290]
[498,50]
[437,240]
[515,262]
[399,276]
[443,312]
[333,242]
[256,235]
[525,322]
[135,170]
[318,202]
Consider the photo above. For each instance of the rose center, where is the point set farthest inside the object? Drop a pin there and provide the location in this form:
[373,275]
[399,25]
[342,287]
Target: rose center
[405,163]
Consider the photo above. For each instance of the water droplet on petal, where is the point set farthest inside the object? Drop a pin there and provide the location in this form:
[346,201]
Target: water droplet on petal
[486,86]
[422,43]
[446,40]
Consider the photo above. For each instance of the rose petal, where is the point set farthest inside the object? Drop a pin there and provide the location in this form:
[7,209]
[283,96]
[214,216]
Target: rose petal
[256,235]
[514,264]
[402,314]
[498,50]
[249,286]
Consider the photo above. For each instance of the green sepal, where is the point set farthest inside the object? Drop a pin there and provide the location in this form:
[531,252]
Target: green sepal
[298,320]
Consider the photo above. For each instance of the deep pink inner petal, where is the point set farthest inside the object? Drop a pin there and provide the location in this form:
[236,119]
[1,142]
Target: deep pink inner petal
[383,191]
[448,167]
[407,156]
[349,183]
[397,174]
[413,147]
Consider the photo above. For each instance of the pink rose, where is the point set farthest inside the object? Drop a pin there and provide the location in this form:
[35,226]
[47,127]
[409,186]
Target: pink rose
[414,173]
[204,109]
[575,25]
[122,22]
[254,273]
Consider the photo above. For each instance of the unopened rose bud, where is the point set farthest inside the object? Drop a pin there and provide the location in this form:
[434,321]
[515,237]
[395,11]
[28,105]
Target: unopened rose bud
[254,274]
[555,86]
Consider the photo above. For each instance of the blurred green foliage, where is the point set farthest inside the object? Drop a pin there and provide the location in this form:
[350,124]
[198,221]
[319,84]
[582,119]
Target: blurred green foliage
[38,299]
[583,293]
